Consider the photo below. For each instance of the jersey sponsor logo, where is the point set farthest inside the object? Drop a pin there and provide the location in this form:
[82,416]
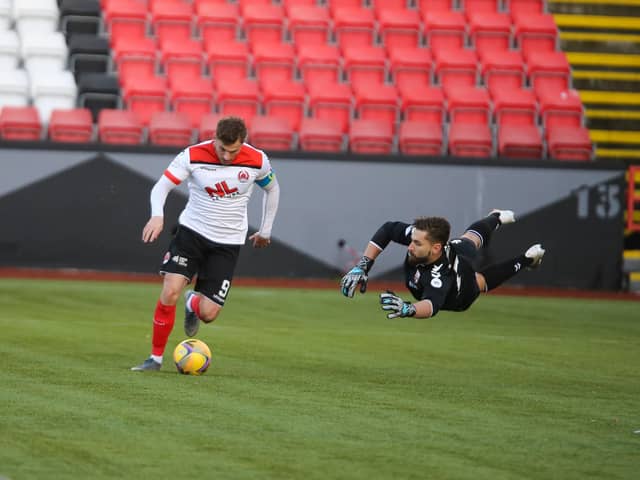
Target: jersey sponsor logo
[243,176]
[436,282]
[221,189]
[178,260]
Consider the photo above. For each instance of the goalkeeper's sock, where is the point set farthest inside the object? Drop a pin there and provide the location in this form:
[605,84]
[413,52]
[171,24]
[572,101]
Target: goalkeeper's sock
[495,275]
[193,305]
[484,228]
[163,319]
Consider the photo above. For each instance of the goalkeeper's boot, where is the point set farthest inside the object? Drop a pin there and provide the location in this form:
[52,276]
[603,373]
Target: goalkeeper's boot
[535,253]
[191,320]
[505,216]
[149,365]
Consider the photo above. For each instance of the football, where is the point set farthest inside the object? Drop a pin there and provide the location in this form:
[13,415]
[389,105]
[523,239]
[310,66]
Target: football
[192,357]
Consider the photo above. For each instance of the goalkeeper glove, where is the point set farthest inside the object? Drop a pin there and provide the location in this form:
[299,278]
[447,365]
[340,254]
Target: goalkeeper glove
[356,276]
[396,306]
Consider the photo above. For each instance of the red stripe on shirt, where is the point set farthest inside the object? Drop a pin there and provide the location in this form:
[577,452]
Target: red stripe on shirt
[172,177]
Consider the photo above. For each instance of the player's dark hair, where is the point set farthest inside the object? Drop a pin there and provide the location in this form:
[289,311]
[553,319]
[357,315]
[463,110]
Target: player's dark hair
[437,228]
[231,129]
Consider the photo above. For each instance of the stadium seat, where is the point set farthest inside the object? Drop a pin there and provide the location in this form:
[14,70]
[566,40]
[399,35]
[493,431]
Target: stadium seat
[145,96]
[41,16]
[285,99]
[560,108]
[193,98]
[331,101]
[520,141]
[217,22]
[569,143]
[470,140]
[170,129]
[420,138]
[489,31]
[354,26]
[377,102]
[468,105]
[10,54]
[456,67]
[320,135]
[319,63]
[227,61]
[399,27]
[517,7]
[271,133]
[288,4]
[88,54]
[181,58]
[119,127]
[53,90]
[20,123]
[379,5]
[208,124]
[410,66]
[97,91]
[472,7]
[274,62]
[134,57]
[423,104]
[171,20]
[370,136]
[535,33]
[364,65]
[72,126]
[238,97]
[80,17]
[14,88]
[444,29]
[514,106]
[125,19]
[309,25]
[549,71]
[44,52]
[263,23]
[502,69]
[434,5]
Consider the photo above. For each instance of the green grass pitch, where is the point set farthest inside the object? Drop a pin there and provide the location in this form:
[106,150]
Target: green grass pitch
[306,384]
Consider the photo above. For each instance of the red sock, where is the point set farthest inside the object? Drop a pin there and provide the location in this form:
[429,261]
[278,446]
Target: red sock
[195,304]
[163,320]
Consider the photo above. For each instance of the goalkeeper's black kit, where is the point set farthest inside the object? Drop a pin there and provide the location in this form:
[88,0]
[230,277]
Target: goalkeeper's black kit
[449,282]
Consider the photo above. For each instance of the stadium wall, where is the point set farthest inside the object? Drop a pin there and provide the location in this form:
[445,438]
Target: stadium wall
[71,208]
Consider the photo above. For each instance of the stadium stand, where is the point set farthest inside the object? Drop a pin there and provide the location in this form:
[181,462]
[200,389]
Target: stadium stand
[97,91]
[420,138]
[320,135]
[80,17]
[170,128]
[271,133]
[120,127]
[20,123]
[370,137]
[73,125]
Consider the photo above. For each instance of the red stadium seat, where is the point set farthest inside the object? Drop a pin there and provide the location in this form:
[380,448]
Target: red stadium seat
[471,7]
[520,141]
[134,57]
[456,67]
[399,27]
[444,29]
[182,58]
[320,135]
[380,5]
[354,26]
[490,31]
[271,133]
[193,98]
[239,97]
[470,140]
[227,61]
[377,102]
[502,69]
[119,127]
[526,7]
[549,71]
[73,126]
[514,106]
[284,99]
[263,23]
[370,136]
[425,104]
[125,19]
[468,105]
[435,5]
[410,66]
[309,25]
[319,63]
[560,108]
[145,96]
[20,123]
[569,143]
[274,62]
[172,20]
[331,101]
[170,128]
[535,33]
[365,65]
[217,22]
[208,124]
[288,4]
[420,138]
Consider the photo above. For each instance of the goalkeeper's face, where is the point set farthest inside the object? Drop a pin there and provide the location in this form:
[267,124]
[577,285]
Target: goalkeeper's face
[421,249]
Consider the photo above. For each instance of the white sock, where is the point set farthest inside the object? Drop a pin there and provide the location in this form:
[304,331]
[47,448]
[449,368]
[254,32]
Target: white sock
[157,358]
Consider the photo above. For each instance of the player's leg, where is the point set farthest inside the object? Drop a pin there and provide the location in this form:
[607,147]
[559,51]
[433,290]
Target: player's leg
[480,231]
[496,274]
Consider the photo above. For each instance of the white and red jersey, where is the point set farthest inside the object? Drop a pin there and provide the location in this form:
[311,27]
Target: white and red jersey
[219,194]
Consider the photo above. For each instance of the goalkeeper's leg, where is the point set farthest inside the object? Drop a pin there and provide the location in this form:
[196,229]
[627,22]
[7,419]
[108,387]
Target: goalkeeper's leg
[480,232]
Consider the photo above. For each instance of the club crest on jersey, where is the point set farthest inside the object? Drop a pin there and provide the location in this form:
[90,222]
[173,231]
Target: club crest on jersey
[167,257]
[243,176]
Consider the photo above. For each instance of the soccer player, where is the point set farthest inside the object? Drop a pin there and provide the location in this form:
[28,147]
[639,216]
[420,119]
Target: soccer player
[211,228]
[438,272]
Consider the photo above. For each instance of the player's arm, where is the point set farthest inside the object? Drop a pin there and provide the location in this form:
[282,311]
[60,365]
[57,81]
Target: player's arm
[270,202]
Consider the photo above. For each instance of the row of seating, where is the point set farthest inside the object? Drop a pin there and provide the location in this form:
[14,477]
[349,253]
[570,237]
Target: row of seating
[366,136]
